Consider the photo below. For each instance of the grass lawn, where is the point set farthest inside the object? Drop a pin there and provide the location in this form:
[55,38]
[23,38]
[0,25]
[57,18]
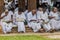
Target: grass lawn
[26,37]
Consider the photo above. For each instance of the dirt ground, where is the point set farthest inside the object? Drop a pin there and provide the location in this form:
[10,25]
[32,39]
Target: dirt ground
[48,35]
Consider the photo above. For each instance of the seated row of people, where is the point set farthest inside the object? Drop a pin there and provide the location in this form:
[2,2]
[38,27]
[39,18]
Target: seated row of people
[38,20]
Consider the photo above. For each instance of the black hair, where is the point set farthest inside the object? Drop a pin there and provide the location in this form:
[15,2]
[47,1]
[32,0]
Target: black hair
[20,10]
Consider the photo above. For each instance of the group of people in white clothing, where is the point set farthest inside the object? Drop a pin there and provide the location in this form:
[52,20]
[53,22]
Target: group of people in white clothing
[38,20]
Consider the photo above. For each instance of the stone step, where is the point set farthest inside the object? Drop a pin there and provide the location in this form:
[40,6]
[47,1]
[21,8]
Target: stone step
[14,29]
[28,28]
[29,31]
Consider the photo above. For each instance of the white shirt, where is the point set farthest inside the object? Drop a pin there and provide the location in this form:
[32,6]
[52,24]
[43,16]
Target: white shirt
[52,14]
[14,15]
[10,12]
[39,14]
[16,9]
[6,18]
[6,6]
[48,1]
[16,2]
[21,16]
[5,1]
[44,16]
[31,17]
[9,4]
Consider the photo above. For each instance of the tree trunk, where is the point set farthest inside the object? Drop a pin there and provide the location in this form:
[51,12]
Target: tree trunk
[1,6]
[31,4]
[22,4]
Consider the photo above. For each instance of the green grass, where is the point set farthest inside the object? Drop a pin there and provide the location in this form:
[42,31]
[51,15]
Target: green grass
[27,37]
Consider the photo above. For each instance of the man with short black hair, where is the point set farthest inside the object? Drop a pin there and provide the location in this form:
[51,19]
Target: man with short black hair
[6,21]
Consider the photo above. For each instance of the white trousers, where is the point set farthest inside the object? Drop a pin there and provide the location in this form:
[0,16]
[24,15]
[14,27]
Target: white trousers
[55,24]
[6,27]
[47,27]
[21,26]
[35,26]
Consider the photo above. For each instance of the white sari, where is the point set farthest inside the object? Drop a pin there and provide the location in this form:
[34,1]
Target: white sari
[55,22]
